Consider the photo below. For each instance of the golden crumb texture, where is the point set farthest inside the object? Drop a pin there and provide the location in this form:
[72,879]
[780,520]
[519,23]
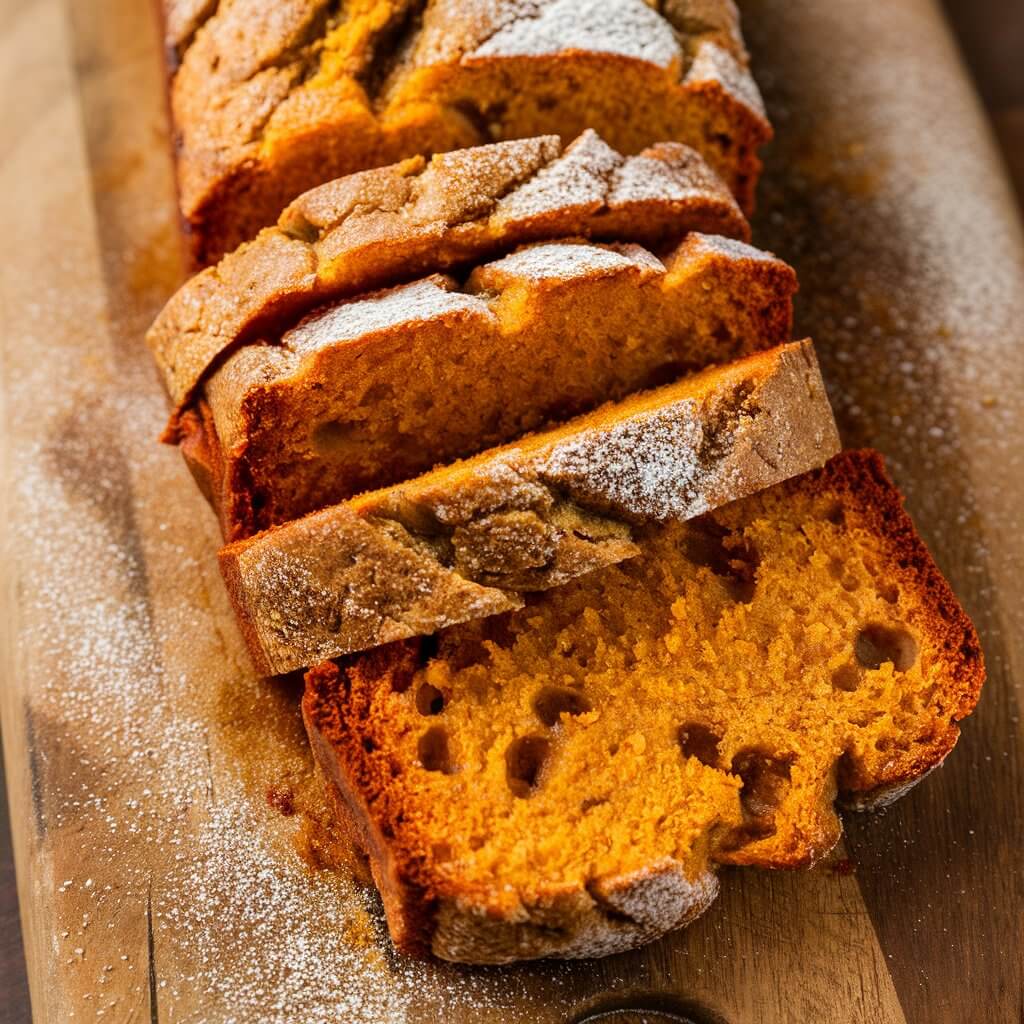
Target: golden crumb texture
[270,100]
[372,391]
[563,779]
[389,225]
[470,539]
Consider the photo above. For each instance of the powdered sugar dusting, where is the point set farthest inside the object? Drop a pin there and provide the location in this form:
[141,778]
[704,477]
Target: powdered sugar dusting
[629,28]
[713,63]
[397,307]
[566,261]
[649,466]
[643,178]
[729,247]
[579,177]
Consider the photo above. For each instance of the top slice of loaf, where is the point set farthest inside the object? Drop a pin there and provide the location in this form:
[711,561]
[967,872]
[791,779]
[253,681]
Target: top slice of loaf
[467,540]
[562,780]
[389,225]
[374,390]
[271,99]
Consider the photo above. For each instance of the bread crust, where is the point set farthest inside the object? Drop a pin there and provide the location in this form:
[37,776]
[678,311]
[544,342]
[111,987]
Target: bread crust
[467,541]
[269,101]
[384,226]
[429,913]
[284,430]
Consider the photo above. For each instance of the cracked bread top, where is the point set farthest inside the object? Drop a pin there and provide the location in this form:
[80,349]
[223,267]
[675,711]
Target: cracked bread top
[271,99]
[383,226]
[369,391]
[467,540]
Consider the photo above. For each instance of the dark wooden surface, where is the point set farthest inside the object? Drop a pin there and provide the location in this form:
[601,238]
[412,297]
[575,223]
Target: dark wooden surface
[992,36]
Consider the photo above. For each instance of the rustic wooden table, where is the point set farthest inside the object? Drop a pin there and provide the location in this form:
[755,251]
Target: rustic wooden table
[991,33]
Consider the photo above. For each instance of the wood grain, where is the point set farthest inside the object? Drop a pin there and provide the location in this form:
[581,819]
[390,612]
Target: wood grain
[882,191]
[86,189]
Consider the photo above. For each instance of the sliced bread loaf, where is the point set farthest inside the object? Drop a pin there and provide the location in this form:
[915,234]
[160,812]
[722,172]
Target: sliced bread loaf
[468,540]
[562,780]
[393,224]
[372,391]
[271,99]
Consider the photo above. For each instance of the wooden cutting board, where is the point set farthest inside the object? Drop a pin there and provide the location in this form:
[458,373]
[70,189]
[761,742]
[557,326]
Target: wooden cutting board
[158,884]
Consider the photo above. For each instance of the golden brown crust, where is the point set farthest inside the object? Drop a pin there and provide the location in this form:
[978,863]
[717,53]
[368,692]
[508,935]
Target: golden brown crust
[464,542]
[366,393]
[269,101]
[392,224]
[358,749]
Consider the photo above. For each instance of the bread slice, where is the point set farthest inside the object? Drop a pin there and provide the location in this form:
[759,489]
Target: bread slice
[368,392]
[563,780]
[468,540]
[394,224]
[271,99]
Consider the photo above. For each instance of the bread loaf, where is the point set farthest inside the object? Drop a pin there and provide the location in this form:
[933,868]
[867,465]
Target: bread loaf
[271,99]
[369,392]
[469,540]
[394,224]
[564,779]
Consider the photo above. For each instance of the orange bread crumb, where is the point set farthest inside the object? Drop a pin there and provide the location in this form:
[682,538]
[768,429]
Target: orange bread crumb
[269,100]
[466,540]
[373,391]
[562,780]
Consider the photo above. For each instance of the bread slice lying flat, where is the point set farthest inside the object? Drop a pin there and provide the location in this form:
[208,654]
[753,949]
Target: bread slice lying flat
[375,390]
[271,99]
[468,540]
[562,780]
[393,224]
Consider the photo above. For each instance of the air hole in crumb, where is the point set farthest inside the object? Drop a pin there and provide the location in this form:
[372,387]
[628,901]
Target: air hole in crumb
[696,740]
[765,785]
[433,751]
[721,333]
[377,393]
[442,852]
[337,437]
[877,644]
[889,593]
[731,557]
[524,761]
[591,802]
[846,678]
[427,649]
[429,700]
[836,515]
[554,701]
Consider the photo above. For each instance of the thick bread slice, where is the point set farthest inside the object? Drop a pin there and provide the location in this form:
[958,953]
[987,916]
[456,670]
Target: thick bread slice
[395,223]
[372,391]
[271,99]
[562,780]
[466,541]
